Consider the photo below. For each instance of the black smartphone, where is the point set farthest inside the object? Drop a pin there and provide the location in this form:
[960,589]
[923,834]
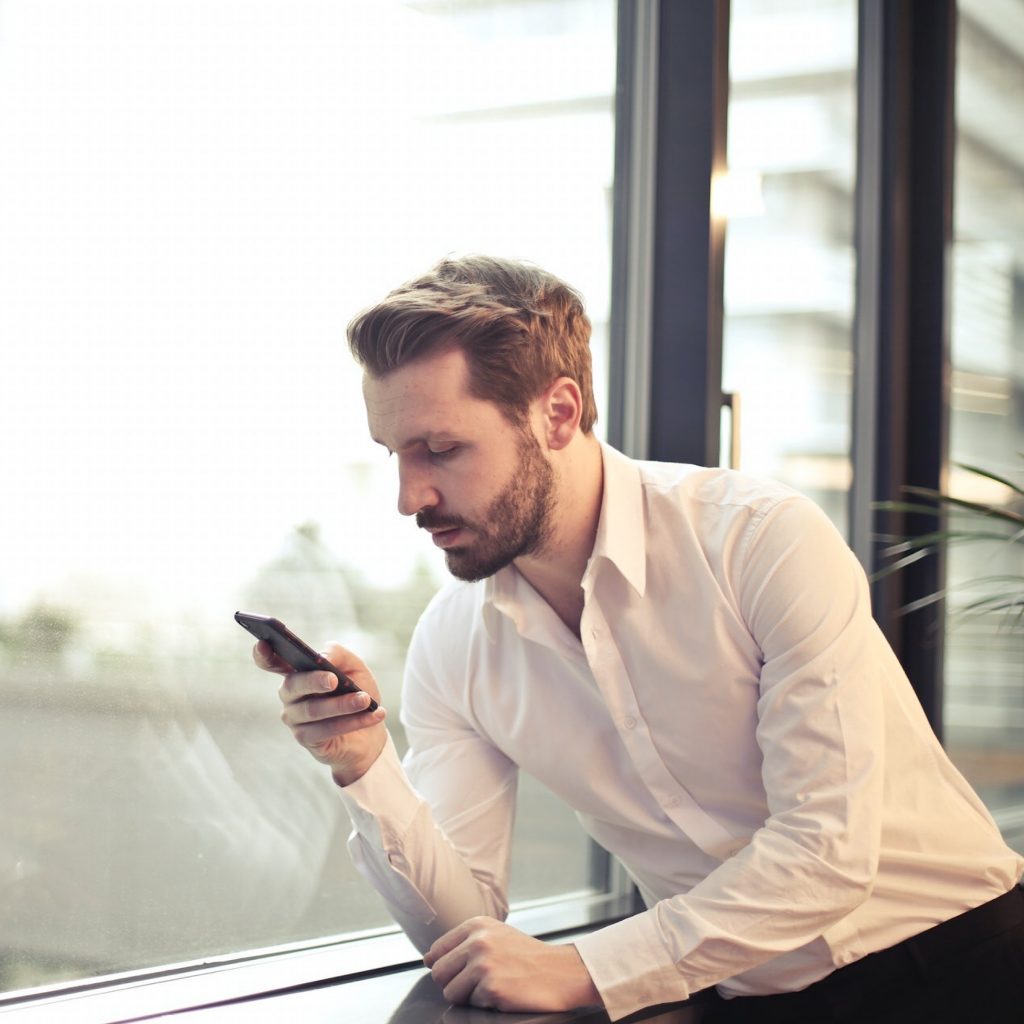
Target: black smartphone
[297,653]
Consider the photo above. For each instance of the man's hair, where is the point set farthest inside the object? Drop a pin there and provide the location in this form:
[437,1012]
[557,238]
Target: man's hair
[520,328]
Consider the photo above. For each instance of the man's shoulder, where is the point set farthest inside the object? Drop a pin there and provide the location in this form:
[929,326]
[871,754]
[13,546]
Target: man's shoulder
[701,487]
[456,602]
[444,634]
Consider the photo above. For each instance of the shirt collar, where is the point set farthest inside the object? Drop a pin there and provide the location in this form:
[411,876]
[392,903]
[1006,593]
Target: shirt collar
[499,591]
[620,530]
[620,539]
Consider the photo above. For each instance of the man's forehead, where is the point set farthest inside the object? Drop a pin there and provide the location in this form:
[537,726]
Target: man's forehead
[423,400]
[445,364]
[440,373]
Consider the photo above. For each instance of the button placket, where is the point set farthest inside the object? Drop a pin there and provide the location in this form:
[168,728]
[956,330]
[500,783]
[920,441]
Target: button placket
[616,688]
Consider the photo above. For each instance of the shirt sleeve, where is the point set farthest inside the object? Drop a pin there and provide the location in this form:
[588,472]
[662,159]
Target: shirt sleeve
[432,834]
[820,729]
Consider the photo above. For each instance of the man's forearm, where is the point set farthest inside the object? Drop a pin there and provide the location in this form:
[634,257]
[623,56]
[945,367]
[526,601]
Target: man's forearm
[397,846]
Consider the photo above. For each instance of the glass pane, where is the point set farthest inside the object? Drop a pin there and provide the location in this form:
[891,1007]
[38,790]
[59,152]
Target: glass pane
[984,697]
[789,267]
[194,200]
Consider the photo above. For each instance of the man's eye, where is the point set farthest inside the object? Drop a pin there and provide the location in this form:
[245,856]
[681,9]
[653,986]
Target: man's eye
[444,453]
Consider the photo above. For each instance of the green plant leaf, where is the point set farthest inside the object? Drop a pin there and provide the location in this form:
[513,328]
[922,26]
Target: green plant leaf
[901,544]
[969,521]
[1016,488]
[901,563]
[922,602]
[993,511]
[907,506]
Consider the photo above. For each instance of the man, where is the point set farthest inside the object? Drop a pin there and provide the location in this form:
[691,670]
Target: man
[687,657]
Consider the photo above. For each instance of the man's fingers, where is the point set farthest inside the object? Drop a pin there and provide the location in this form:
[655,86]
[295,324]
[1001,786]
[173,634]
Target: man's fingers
[462,988]
[458,963]
[348,661]
[485,963]
[449,941]
[264,656]
[299,711]
[466,979]
[314,734]
[318,735]
[454,975]
[298,686]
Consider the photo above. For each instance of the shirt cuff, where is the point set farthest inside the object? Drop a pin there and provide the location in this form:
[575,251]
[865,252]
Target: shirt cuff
[382,802]
[630,967]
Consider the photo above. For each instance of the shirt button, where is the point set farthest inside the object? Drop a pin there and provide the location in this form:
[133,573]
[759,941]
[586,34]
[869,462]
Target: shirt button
[630,722]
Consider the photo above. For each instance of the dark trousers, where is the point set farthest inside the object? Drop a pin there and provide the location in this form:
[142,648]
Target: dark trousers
[968,970]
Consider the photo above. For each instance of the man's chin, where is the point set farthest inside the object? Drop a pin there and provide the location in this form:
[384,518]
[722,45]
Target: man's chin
[463,566]
[468,572]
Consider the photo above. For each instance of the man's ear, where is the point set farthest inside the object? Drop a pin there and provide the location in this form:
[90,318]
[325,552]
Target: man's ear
[561,406]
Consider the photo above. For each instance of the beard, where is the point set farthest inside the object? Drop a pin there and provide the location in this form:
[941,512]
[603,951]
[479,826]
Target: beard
[516,523]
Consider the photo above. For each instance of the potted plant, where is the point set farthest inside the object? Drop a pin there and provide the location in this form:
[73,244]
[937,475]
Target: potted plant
[959,521]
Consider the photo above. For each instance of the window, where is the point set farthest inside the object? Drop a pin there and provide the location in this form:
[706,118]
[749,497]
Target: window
[195,198]
[789,257]
[984,697]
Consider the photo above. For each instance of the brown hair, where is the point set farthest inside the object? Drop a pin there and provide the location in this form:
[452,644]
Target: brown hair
[520,327]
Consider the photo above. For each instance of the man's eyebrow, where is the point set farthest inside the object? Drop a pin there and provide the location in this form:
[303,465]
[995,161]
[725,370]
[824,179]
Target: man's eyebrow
[411,442]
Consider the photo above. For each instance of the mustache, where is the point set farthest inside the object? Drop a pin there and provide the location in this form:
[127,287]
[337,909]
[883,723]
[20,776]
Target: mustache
[428,519]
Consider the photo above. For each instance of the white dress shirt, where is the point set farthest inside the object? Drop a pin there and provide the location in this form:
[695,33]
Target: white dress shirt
[732,726]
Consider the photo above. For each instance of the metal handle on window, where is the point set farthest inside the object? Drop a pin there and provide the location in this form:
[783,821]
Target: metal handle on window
[731,401]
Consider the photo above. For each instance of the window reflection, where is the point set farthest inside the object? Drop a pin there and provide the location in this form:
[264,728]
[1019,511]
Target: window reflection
[789,284]
[194,200]
[984,698]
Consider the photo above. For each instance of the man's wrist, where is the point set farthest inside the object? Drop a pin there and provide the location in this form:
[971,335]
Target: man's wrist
[585,991]
[345,774]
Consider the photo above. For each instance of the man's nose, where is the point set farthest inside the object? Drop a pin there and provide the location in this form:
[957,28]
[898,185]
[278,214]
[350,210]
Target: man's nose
[415,491]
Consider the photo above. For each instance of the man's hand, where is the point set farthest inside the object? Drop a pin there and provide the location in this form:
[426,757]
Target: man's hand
[489,964]
[338,731]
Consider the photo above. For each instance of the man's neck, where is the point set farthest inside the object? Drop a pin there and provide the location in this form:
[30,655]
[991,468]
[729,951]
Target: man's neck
[556,572]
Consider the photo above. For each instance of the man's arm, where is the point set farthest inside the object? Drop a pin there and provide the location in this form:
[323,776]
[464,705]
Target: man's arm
[435,842]
[820,727]
[437,857]
[435,866]
[434,838]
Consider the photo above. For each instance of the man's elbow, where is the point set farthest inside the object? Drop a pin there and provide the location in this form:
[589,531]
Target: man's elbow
[839,870]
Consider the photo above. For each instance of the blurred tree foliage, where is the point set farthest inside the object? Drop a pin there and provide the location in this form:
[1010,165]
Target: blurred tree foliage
[393,612]
[43,629]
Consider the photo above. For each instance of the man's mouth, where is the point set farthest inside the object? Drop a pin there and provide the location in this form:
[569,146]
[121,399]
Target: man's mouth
[447,536]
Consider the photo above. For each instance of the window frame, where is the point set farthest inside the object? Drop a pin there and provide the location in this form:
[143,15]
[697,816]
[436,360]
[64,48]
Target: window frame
[906,66]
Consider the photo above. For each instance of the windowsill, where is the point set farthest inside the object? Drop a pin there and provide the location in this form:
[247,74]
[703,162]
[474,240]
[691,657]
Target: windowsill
[404,995]
[380,973]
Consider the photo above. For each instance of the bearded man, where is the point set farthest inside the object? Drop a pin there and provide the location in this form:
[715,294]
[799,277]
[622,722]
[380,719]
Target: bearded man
[686,656]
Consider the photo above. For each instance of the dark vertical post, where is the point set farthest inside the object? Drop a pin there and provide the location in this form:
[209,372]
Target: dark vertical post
[686,321]
[904,232]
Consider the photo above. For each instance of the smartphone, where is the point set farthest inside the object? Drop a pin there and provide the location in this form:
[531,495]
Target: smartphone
[295,652]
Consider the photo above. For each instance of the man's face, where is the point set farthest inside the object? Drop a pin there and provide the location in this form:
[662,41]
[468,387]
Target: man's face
[480,485]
